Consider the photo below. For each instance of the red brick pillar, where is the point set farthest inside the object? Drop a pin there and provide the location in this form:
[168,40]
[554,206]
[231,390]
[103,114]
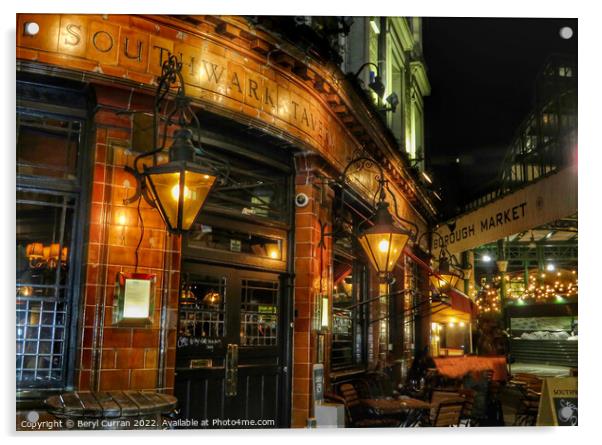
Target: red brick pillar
[311,263]
[110,357]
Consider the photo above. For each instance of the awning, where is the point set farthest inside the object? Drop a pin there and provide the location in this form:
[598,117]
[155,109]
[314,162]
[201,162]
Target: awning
[460,307]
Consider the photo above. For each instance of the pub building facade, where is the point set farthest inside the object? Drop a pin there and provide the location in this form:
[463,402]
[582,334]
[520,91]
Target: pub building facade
[269,280]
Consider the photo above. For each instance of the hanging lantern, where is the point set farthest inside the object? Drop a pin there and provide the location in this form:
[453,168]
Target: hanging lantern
[180,187]
[444,279]
[384,241]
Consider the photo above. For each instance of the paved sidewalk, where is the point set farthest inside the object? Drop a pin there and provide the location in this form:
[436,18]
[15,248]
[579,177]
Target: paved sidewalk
[540,370]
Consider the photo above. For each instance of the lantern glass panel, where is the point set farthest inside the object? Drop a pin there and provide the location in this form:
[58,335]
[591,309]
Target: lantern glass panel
[383,249]
[443,282]
[168,192]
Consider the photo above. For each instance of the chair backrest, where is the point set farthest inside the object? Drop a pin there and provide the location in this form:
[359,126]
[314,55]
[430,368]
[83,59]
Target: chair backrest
[448,412]
[379,384]
[365,388]
[468,395]
[437,396]
[488,374]
[532,381]
[352,402]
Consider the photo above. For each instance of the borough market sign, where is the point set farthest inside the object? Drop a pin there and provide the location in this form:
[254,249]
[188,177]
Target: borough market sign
[540,203]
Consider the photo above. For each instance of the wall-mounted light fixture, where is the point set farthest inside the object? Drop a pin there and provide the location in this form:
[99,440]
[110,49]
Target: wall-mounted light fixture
[449,272]
[393,101]
[376,83]
[180,187]
[384,239]
[31,29]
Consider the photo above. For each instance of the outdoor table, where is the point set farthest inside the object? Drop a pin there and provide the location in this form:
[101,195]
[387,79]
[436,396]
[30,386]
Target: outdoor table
[112,409]
[416,409]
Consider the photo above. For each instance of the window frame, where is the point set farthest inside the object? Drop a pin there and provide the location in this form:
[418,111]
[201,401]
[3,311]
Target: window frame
[80,189]
[360,271]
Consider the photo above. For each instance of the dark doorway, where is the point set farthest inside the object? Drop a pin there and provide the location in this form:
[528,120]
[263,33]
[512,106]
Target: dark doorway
[229,362]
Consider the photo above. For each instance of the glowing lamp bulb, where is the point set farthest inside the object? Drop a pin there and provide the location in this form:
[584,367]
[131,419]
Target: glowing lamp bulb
[175,192]
[383,246]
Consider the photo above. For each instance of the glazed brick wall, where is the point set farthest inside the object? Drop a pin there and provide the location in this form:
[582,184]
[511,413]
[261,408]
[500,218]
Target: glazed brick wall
[308,267]
[110,357]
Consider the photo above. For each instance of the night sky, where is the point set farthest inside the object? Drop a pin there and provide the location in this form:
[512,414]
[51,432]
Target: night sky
[482,73]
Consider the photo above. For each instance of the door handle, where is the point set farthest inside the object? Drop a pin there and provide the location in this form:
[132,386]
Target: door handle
[232,370]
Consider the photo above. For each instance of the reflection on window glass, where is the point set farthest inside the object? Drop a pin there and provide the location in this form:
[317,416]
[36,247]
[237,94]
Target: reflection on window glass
[201,313]
[259,313]
[343,315]
[251,189]
[204,236]
[44,226]
[47,146]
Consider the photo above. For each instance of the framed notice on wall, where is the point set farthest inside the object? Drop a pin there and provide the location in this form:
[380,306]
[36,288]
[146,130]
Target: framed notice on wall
[134,298]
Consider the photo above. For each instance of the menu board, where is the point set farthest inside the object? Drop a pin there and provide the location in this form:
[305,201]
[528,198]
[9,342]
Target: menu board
[136,298]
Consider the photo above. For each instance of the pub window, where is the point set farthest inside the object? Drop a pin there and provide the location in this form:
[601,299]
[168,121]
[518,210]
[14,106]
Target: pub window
[411,282]
[259,313]
[201,310]
[47,248]
[350,283]
[252,190]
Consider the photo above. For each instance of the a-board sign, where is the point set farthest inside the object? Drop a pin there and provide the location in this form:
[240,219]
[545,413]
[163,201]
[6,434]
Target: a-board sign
[558,404]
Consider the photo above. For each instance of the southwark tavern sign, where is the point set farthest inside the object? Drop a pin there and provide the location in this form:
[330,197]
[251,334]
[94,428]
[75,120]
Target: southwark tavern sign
[545,201]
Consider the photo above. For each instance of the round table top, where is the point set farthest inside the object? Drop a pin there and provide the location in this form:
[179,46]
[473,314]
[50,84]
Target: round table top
[110,404]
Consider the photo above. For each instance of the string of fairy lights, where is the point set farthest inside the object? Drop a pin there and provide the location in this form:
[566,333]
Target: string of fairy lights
[535,287]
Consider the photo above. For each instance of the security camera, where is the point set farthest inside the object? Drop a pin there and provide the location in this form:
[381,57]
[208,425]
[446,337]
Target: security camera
[301,200]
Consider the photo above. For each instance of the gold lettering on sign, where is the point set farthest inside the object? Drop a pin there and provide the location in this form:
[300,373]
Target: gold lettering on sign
[134,51]
[204,69]
[159,51]
[234,86]
[214,71]
[73,34]
[103,41]
[101,44]
[138,55]
[189,57]
[236,82]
